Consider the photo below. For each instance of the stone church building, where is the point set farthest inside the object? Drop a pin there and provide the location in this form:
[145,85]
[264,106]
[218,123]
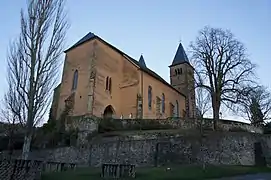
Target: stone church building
[99,79]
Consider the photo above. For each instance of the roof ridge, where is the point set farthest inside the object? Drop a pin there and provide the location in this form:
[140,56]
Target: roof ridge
[91,35]
[84,39]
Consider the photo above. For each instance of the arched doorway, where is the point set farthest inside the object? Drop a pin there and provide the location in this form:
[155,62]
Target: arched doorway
[109,112]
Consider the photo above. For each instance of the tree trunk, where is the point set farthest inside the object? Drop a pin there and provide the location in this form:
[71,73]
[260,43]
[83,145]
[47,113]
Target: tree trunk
[201,128]
[28,136]
[10,143]
[216,109]
[26,146]
[216,118]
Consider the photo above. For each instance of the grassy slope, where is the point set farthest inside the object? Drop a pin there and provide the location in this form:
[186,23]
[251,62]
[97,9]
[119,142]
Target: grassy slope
[180,173]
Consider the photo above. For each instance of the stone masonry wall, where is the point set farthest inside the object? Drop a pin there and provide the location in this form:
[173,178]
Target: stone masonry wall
[85,123]
[88,125]
[215,148]
[230,149]
[228,125]
[233,148]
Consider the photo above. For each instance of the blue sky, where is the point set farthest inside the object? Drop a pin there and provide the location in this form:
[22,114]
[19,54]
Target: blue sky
[154,28]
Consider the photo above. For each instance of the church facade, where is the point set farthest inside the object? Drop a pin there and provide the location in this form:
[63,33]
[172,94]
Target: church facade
[100,80]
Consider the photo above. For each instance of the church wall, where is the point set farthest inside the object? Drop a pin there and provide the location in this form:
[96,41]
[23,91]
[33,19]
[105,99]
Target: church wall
[157,89]
[79,59]
[55,101]
[125,82]
[91,96]
[129,89]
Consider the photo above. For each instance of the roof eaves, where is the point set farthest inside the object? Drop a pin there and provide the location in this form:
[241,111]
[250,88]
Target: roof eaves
[156,76]
[129,58]
[136,63]
[181,63]
[80,43]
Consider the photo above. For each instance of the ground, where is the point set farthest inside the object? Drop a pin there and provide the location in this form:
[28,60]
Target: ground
[174,173]
[259,176]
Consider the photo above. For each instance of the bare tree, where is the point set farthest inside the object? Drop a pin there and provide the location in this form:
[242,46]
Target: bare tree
[11,116]
[34,59]
[13,104]
[9,124]
[255,104]
[223,66]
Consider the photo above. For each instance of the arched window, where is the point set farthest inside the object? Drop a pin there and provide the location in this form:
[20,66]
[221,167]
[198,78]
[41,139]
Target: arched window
[107,83]
[176,72]
[177,109]
[163,103]
[181,70]
[110,84]
[149,97]
[75,80]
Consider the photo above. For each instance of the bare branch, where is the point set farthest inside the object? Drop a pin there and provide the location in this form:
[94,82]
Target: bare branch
[221,65]
[203,98]
[258,95]
[203,101]
[33,60]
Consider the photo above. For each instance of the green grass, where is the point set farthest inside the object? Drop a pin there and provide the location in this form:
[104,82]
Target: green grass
[176,172]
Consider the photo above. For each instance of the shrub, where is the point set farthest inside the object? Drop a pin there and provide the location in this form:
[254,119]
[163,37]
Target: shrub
[237,129]
[267,128]
[71,137]
[16,142]
[91,135]
[151,125]
[107,125]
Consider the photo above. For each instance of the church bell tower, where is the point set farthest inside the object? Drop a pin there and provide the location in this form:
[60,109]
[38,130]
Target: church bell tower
[182,79]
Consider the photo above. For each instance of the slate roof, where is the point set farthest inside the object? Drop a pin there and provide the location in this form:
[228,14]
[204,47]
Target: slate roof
[142,61]
[180,56]
[91,36]
[86,38]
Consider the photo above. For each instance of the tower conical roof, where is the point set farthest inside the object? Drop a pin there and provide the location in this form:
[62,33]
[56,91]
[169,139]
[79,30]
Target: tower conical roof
[142,61]
[180,56]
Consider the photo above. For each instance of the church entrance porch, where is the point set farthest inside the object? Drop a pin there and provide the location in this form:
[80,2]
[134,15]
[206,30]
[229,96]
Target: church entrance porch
[109,112]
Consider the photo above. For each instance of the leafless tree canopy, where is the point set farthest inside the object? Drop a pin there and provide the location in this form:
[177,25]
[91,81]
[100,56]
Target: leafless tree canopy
[33,59]
[203,99]
[222,65]
[203,102]
[12,108]
[8,117]
[258,95]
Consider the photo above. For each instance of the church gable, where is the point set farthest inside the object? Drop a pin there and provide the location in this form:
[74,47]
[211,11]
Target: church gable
[140,64]
[86,38]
